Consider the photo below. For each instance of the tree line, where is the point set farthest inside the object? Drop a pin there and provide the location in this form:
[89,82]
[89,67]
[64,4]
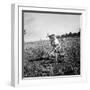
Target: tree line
[69,35]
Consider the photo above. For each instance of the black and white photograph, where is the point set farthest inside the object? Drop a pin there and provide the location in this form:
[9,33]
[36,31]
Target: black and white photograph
[50,44]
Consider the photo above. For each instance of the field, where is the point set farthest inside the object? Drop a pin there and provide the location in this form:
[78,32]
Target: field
[38,62]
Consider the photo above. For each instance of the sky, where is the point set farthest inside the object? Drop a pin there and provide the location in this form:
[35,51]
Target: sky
[37,25]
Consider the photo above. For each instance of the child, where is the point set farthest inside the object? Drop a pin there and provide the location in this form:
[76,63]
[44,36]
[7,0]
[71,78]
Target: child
[55,44]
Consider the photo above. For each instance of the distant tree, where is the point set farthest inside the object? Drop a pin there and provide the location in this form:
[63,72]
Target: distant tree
[66,35]
[70,34]
[79,33]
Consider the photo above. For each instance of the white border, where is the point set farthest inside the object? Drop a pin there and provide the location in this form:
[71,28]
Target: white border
[16,68]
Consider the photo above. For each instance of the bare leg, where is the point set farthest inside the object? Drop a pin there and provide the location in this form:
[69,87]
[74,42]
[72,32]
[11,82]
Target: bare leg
[56,57]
